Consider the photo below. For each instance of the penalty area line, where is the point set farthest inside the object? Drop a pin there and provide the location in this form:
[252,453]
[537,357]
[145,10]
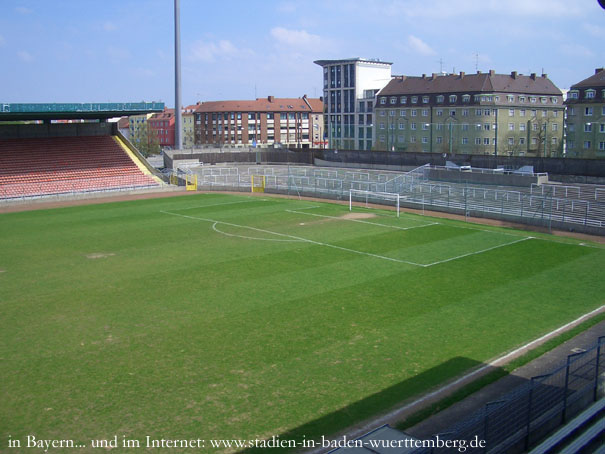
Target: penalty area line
[362,221]
[220,204]
[298,238]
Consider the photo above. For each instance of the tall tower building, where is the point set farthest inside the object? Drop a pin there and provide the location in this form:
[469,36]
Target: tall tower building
[350,87]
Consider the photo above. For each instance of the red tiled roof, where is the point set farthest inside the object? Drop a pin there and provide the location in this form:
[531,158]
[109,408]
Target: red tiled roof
[596,80]
[268,104]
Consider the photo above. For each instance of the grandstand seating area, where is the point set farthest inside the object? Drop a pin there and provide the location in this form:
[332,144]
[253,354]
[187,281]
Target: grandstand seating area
[45,166]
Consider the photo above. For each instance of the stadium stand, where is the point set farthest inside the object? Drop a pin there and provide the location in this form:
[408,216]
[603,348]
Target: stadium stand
[46,166]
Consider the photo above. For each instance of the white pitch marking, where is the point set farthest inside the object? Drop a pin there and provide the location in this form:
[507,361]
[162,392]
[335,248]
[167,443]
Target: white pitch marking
[220,204]
[363,222]
[306,240]
[478,252]
[250,237]
[502,360]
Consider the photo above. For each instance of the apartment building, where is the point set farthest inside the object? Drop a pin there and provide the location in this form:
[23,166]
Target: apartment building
[350,86]
[162,125]
[585,122]
[482,113]
[291,122]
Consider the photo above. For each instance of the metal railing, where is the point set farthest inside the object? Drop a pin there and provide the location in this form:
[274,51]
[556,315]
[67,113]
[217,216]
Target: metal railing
[521,418]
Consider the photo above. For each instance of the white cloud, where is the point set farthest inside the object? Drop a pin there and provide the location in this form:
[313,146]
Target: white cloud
[420,47]
[118,53]
[23,10]
[577,50]
[109,26]
[595,30]
[210,51]
[25,56]
[296,38]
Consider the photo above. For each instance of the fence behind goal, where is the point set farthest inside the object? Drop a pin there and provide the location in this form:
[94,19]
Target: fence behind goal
[548,206]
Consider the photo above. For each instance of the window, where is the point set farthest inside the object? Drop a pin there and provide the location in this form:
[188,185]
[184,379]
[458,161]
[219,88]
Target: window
[439,112]
[381,138]
[439,126]
[544,113]
[555,113]
[413,139]
[511,112]
[413,126]
[555,127]
[383,100]
[392,113]
[465,112]
[532,99]
[487,112]
[522,112]
[574,94]
[601,146]
[571,127]
[404,100]
[439,140]
[521,98]
[511,126]
[425,112]
[381,126]
[602,127]
[511,141]
[414,99]
[477,141]
[453,98]
[534,141]
[486,141]
[521,140]
[486,126]
[478,112]
[402,126]
[554,100]
[587,144]
[534,126]
[425,126]
[543,99]
[465,141]
[393,100]
[452,113]
[466,98]
[510,98]
[553,141]
[465,127]
[588,127]
[383,113]
[425,100]
[401,139]
[414,112]
[588,111]
[402,113]
[571,111]
[590,94]
[440,99]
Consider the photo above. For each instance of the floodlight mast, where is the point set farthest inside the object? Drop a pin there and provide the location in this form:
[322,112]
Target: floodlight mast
[178,139]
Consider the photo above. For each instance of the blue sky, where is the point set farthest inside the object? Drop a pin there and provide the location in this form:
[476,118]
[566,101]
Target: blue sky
[122,50]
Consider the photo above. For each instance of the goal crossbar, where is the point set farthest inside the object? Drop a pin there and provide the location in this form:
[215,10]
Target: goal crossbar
[373,196]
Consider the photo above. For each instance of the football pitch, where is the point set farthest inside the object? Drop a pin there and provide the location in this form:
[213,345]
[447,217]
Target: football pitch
[222,317]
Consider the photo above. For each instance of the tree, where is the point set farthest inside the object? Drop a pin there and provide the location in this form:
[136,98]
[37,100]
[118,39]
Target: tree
[146,140]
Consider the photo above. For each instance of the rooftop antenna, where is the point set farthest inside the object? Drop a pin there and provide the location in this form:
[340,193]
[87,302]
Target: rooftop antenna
[476,61]
[178,139]
[441,66]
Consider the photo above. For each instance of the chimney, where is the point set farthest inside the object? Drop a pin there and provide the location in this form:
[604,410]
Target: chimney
[424,76]
[434,75]
[462,73]
[598,70]
[533,76]
[544,75]
[492,72]
[478,72]
[270,98]
[513,74]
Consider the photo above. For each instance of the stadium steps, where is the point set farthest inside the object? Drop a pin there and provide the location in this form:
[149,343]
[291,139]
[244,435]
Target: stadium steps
[38,167]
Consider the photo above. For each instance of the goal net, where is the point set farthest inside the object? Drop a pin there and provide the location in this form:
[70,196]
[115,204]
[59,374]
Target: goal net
[372,197]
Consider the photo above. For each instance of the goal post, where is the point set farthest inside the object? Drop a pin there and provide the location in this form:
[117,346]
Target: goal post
[258,183]
[380,198]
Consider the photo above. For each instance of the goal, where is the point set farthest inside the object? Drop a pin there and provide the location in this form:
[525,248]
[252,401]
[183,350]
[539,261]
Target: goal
[368,197]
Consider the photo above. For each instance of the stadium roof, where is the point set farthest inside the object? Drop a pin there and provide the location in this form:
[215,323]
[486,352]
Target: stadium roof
[75,111]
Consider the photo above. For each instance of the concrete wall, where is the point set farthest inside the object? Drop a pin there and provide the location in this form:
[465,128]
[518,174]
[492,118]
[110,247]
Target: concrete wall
[30,131]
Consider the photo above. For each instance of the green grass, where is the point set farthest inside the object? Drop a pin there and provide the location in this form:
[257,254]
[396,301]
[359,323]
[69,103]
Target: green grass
[196,323]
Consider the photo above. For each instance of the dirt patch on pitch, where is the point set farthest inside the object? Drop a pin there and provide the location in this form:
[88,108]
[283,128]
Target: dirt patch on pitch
[99,255]
[354,215]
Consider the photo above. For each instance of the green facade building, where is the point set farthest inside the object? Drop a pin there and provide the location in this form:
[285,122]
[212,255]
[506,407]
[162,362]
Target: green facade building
[482,113]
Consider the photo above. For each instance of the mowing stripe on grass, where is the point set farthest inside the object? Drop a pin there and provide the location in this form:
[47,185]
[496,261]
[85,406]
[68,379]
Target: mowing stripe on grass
[223,203]
[478,252]
[363,222]
[306,240]
[501,361]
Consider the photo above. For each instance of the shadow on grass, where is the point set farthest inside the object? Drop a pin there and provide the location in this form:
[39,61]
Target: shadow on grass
[372,405]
